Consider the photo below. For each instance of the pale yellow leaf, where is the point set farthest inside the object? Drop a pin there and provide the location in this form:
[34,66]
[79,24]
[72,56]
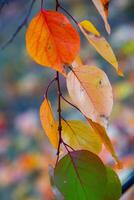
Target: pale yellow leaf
[79,135]
[100,44]
[100,5]
[101,131]
[90,90]
[48,122]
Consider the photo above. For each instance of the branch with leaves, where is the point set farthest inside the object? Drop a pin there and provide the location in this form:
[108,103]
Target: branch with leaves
[52,41]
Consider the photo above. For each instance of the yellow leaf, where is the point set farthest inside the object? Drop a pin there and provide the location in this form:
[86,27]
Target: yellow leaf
[101,131]
[79,135]
[100,44]
[89,28]
[48,122]
[91,92]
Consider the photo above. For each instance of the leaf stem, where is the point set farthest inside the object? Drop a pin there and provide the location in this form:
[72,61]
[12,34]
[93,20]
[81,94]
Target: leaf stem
[69,103]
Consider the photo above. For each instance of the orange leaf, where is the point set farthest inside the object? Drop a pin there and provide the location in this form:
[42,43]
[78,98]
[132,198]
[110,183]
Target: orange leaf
[101,131]
[48,122]
[51,40]
[91,92]
[102,7]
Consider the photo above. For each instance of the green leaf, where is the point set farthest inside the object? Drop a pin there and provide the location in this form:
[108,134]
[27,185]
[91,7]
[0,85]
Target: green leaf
[113,188]
[81,175]
[55,190]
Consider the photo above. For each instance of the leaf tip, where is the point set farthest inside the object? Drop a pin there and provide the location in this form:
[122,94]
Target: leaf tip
[119,165]
[120,72]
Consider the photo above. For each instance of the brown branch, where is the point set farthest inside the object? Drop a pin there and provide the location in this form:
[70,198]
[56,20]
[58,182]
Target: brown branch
[23,23]
[59,97]
[59,105]
[59,112]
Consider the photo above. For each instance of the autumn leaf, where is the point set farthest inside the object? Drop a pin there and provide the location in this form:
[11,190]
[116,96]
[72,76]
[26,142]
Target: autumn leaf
[51,40]
[102,7]
[91,92]
[48,122]
[101,131]
[81,175]
[100,44]
[79,135]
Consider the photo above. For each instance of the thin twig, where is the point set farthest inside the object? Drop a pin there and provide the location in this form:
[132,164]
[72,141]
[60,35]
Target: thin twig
[58,5]
[66,148]
[68,14]
[47,89]
[69,102]
[24,22]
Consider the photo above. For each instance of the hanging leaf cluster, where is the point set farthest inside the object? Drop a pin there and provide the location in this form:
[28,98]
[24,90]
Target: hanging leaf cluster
[52,41]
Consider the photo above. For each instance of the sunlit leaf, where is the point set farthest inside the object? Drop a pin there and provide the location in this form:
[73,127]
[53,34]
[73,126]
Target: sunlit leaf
[91,92]
[81,175]
[101,131]
[113,188]
[48,122]
[79,135]
[51,40]
[99,43]
[102,7]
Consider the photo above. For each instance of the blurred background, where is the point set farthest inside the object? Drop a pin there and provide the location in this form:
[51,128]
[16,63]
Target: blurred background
[25,152]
